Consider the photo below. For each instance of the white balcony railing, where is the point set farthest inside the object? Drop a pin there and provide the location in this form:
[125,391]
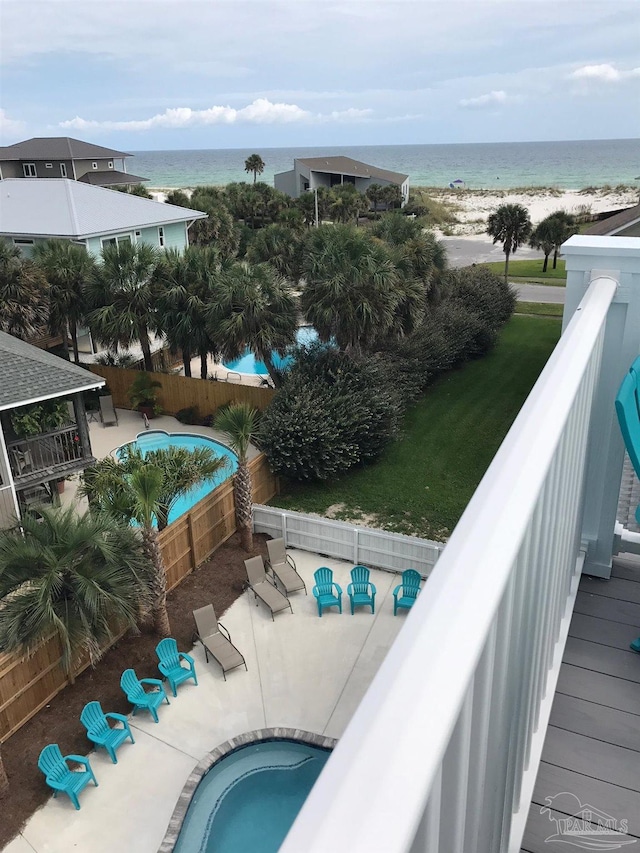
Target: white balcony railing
[442,752]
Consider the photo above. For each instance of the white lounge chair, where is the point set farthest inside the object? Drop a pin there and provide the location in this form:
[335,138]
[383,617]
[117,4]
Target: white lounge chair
[216,640]
[283,567]
[262,587]
[108,414]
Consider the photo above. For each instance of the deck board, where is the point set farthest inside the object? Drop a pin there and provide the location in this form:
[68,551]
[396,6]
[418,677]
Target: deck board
[592,746]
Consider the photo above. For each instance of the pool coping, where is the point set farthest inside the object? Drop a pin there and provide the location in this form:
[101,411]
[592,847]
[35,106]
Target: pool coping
[231,745]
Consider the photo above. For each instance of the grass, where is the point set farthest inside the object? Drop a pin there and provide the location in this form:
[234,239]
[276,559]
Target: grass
[541,309]
[423,482]
[531,270]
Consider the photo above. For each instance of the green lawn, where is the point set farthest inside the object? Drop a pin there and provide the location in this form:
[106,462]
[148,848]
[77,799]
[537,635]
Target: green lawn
[423,482]
[531,270]
[542,309]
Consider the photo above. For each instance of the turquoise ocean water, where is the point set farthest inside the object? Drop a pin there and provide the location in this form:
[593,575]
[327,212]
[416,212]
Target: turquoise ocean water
[566,165]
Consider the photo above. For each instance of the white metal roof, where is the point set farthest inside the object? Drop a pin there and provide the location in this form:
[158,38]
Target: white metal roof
[58,207]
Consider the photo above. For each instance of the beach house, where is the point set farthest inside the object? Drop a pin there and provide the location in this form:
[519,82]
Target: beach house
[309,173]
[64,157]
[44,436]
[625,223]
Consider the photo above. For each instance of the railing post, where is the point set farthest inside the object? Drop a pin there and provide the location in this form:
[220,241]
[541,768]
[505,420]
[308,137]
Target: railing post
[588,258]
[81,423]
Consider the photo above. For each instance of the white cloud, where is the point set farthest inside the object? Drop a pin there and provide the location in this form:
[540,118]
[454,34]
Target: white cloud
[491,99]
[260,111]
[604,73]
[10,128]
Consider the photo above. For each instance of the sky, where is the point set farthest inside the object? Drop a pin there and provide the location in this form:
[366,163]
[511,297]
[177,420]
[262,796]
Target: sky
[172,74]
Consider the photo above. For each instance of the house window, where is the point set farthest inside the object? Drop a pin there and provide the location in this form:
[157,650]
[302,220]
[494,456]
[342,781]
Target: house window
[29,170]
[161,236]
[94,165]
[111,164]
[48,165]
[25,246]
[116,241]
[63,170]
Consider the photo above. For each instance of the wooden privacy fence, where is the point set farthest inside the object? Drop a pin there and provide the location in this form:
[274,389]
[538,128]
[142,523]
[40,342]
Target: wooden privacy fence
[179,392]
[27,684]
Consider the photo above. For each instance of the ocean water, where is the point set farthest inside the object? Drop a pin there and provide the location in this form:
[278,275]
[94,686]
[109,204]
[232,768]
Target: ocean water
[566,165]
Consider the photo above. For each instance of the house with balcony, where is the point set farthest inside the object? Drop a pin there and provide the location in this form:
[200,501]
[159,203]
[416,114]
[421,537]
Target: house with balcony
[309,173]
[44,436]
[64,157]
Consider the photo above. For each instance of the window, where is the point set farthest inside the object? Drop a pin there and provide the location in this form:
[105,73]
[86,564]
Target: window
[19,242]
[111,164]
[48,165]
[161,236]
[29,170]
[116,241]
[94,165]
[63,170]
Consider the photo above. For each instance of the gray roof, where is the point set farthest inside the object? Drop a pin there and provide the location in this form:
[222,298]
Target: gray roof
[613,224]
[347,166]
[30,374]
[57,148]
[58,207]
[110,177]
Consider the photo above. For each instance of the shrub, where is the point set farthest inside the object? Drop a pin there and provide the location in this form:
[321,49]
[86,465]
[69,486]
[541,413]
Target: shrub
[477,290]
[188,415]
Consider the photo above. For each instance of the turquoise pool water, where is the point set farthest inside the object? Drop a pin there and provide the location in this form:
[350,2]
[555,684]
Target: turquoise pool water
[247,801]
[154,439]
[247,363]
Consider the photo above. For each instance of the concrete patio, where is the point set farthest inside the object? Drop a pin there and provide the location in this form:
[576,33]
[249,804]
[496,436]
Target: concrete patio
[303,672]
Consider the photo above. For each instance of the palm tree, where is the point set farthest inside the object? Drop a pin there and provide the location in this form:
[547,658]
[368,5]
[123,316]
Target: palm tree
[563,225]
[375,194]
[67,267]
[351,291]
[123,294]
[254,309]
[254,164]
[23,294]
[543,237]
[282,247]
[144,489]
[239,423]
[511,226]
[80,577]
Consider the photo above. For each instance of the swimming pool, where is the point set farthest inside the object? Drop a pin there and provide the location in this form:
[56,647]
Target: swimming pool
[155,439]
[250,798]
[247,363]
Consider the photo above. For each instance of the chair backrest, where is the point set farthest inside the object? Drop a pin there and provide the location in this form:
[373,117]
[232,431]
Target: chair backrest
[130,683]
[277,551]
[324,580]
[167,651]
[93,718]
[629,419]
[206,621]
[52,763]
[411,583]
[107,408]
[255,570]
[360,578]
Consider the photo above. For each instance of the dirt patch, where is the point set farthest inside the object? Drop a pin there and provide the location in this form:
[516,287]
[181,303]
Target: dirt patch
[219,580]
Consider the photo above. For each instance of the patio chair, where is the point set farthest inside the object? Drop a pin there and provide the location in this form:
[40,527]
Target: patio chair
[629,420]
[59,775]
[139,698]
[405,594]
[361,591]
[171,664]
[108,414]
[283,567]
[216,640]
[262,587]
[96,722]
[326,592]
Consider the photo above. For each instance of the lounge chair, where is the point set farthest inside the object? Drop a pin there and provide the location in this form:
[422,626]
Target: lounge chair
[59,775]
[216,640]
[263,589]
[96,722]
[108,414]
[283,567]
[171,664]
[326,592]
[405,594]
[361,591]
[139,698]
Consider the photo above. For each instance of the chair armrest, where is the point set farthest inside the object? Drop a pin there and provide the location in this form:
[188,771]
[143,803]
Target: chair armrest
[186,657]
[315,591]
[373,588]
[79,759]
[291,562]
[114,716]
[349,589]
[154,681]
[338,587]
[222,628]
[397,590]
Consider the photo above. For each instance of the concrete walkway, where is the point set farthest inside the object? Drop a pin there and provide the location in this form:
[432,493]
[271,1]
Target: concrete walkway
[540,293]
[303,672]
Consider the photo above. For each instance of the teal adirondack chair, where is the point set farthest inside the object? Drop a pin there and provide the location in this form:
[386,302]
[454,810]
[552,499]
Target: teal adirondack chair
[361,591]
[139,698]
[59,775]
[170,663]
[405,594]
[96,722]
[327,593]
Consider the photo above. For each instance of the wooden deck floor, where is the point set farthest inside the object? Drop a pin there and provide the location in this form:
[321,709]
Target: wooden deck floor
[592,748]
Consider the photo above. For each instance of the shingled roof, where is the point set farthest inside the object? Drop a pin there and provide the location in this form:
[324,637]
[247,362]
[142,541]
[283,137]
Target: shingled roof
[30,374]
[348,166]
[57,148]
[613,224]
